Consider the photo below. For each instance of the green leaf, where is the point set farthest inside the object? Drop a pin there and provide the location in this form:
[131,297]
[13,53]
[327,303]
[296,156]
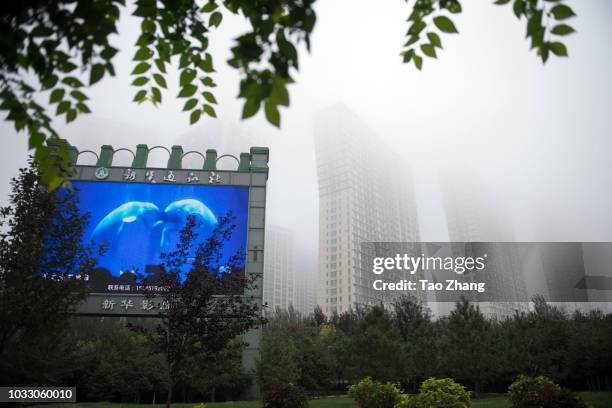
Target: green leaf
[518,7]
[157,96]
[72,81]
[215,19]
[543,52]
[71,115]
[502,2]
[55,182]
[562,29]
[83,108]
[78,95]
[411,40]
[428,50]
[408,55]
[250,108]
[57,95]
[210,6]
[36,140]
[187,91]
[279,94]
[195,116]
[272,114]
[140,81]
[558,49]
[141,68]
[286,47]
[561,12]
[140,96]
[445,24]
[184,60]
[161,66]
[148,26]
[434,39]
[210,111]
[142,54]
[534,24]
[190,104]
[187,76]
[207,63]
[108,52]
[160,80]
[416,27]
[49,82]
[96,74]
[62,107]
[210,98]
[418,61]
[208,81]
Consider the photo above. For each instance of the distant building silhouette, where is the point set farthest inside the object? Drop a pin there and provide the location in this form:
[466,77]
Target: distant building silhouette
[474,214]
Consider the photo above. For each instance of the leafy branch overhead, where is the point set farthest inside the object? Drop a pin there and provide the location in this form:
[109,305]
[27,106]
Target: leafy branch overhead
[431,18]
[55,50]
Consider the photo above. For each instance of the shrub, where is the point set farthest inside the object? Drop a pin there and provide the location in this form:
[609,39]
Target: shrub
[442,393]
[373,394]
[565,398]
[284,396]
[528,392]
[405,401]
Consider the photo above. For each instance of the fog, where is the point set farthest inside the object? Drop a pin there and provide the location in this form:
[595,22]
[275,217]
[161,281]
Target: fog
[537,137]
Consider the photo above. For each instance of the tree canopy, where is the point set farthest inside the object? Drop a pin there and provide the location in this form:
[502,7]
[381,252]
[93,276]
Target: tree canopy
[60,48]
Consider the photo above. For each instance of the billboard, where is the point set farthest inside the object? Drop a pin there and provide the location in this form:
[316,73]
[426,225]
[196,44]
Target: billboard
[138,222]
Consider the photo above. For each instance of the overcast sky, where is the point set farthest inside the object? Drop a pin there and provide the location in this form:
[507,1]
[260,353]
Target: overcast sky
[538,136]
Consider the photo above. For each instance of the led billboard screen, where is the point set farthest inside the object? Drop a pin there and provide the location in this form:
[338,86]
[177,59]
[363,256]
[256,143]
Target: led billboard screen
[140,221]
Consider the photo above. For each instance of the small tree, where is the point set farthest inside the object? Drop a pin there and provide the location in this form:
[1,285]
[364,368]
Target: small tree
[42,257]
[206,302]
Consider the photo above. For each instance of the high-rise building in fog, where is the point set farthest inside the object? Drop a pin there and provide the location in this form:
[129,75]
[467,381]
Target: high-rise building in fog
[279,268]
[474,214]
[305,294]
[366,194]
[288,278]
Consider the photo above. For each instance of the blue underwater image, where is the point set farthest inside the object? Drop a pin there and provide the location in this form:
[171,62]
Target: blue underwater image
[141,221]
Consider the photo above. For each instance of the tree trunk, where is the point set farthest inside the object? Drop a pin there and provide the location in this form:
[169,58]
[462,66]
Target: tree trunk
[212,395]
[169,399]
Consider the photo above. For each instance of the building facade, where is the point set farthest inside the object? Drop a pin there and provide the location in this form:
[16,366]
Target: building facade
[366,194]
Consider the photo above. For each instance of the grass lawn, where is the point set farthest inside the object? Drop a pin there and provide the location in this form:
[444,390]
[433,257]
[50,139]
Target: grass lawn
[597,399]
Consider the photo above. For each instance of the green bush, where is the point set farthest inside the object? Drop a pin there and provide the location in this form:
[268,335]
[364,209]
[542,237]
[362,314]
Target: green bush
[373,394]
[440,393]
[284,396]
[542,392]
[406,401]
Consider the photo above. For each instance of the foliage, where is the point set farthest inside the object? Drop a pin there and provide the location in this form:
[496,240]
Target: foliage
[417,332]
[211,374]
[369,345]
[408,346]
[209,307]
[542,392]
[285,395]
[46,44]
[112,362]
[369,393]
[55,40]
[294,350]
[546,25]
[443,393]
[470,335]
[43,266]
